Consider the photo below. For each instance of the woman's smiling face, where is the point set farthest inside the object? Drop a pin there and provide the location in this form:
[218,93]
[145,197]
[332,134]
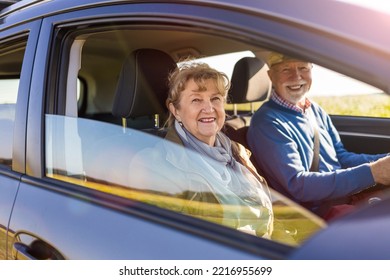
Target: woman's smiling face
[202,112]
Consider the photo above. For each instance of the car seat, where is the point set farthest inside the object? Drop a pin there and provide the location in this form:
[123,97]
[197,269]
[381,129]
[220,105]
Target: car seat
[140,102]
[249,83]
[143,88]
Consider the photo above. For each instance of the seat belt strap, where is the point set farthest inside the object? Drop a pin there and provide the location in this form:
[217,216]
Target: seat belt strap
[316,147]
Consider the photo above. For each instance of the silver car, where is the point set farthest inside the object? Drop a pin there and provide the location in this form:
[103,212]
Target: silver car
[83,91]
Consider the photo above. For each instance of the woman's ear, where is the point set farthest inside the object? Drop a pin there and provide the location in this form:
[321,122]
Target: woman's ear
[173,110]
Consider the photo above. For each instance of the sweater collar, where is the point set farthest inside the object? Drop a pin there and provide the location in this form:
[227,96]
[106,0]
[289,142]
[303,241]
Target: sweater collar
[286,104]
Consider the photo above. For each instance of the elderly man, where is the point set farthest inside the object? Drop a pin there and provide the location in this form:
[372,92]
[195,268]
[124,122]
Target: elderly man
[282,136]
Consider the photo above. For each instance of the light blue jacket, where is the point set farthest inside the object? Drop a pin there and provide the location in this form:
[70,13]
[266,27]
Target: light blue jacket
[174,171]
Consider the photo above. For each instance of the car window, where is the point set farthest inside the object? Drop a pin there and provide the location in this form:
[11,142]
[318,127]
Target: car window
[98,149]
[104,157]
[339,94]
[11,55]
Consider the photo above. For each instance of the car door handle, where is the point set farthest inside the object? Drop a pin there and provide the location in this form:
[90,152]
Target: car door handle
[37,250]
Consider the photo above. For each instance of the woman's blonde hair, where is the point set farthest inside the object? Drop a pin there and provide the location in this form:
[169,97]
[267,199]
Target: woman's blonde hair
[199,72]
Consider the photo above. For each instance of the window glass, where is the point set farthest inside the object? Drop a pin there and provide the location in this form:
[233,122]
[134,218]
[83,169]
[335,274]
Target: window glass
[97,149]
[225,62]
[8,94]
[11,56]
[128,163]
[341,95]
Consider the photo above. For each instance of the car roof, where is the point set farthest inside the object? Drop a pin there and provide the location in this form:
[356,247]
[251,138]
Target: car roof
[346,19]
[7,6]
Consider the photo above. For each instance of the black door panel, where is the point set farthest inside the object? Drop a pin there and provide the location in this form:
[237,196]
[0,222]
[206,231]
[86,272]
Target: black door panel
[364,135]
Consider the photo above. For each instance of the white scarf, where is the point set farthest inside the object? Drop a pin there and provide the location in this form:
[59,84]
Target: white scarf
[236,177]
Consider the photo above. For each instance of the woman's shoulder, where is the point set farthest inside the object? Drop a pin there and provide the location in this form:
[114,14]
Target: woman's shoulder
[241,154]
[240,149]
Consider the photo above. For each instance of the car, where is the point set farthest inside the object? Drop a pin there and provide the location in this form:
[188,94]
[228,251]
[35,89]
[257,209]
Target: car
[83,88]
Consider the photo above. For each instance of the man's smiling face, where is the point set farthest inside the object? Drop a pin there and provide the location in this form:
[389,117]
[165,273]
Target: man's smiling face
[291,80]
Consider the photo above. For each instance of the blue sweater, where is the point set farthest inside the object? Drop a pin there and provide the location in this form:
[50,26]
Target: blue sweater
[281,140]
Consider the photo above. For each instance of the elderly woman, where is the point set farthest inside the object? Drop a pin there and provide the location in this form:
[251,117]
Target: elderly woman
[196,163]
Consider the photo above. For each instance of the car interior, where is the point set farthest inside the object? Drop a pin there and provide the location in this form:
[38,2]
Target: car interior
[121,94]
[118,75]
[123,74]
[129,86]
[142,89]
[106,79]
[250,83]
[125,83]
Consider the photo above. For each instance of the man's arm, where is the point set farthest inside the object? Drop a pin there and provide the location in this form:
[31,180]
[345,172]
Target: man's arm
[381,171]
[286,164]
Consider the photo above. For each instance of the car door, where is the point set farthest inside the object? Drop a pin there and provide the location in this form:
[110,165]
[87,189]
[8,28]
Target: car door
[59,213]
[17,46]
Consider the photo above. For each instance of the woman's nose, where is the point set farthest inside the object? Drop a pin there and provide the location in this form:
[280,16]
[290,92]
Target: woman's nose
[208,106]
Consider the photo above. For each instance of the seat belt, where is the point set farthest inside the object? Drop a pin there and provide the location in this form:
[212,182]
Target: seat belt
[316,147]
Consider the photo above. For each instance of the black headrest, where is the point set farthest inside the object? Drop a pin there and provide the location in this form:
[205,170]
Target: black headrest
[143,84]
[250,81]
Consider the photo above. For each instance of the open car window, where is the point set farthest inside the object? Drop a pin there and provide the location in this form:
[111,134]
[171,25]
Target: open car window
[125,162]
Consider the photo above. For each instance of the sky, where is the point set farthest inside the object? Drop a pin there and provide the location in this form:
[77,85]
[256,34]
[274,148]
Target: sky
[381,5]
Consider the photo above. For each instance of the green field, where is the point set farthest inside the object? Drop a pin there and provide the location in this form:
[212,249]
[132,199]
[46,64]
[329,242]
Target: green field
[370,105]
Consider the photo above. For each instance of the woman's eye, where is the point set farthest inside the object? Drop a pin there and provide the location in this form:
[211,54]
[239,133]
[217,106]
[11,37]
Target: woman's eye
[196,100]
[216,98]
